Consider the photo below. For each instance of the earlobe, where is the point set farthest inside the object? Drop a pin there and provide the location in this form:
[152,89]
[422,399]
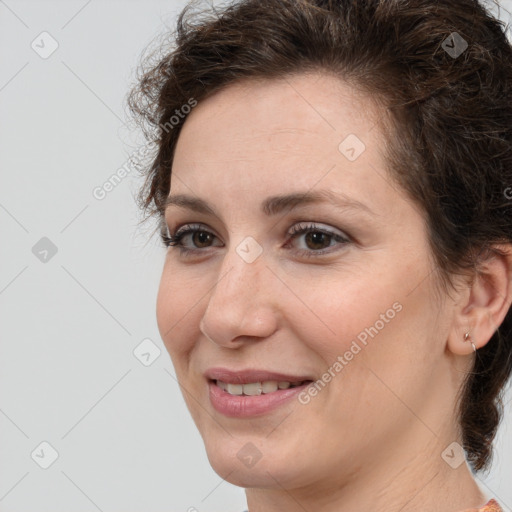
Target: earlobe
[485,304]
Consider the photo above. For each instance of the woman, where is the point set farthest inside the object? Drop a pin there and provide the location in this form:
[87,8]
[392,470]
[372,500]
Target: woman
[332,181]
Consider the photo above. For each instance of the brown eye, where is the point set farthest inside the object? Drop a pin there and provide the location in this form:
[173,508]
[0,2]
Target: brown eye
[316,240]
[201,238]
[191,238]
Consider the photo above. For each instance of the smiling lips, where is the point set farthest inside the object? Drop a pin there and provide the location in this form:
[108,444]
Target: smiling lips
[248,376]
[251,392]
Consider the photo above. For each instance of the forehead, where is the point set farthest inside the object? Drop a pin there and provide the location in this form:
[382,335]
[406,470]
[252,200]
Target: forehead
[305,108]
[263,136]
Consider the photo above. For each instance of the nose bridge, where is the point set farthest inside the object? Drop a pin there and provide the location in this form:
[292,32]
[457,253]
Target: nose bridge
[242,271]
[240,302]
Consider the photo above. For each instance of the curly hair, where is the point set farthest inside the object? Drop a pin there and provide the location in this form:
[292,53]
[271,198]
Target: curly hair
[443,70]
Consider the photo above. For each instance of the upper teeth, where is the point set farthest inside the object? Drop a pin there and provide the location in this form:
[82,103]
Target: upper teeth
[255,388]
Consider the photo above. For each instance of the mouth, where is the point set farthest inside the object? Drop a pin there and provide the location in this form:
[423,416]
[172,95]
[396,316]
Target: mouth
[249,393]
[257,388]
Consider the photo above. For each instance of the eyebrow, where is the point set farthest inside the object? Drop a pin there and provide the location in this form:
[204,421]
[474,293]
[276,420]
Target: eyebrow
[275,204]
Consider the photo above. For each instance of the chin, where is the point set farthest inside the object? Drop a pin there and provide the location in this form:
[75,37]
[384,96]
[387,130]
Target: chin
[260,475]
[243,464]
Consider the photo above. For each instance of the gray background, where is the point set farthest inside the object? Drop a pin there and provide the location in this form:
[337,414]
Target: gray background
[70,321]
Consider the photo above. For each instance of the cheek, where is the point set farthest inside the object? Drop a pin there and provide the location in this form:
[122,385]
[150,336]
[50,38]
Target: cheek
[360,330]
[361,327]
[380,349]
[175,313]
[343,310]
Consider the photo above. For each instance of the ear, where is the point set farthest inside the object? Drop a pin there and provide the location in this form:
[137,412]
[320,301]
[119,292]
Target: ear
[484,304]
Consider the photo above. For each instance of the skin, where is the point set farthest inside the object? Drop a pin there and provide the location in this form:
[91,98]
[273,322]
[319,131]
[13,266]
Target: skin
[372,439]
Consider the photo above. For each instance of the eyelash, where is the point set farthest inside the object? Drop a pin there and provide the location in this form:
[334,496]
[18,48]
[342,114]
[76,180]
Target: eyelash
[175,239]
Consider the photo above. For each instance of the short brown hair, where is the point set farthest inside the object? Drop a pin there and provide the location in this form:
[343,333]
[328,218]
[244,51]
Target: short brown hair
[450,148]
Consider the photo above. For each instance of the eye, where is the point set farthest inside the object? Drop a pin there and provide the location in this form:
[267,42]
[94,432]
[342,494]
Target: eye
[316,239]
[199,236]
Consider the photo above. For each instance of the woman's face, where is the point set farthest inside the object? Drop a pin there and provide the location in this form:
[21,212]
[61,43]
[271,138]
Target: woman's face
[348,303]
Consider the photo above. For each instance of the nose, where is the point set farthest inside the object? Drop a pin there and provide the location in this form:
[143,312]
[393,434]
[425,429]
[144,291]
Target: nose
[241,305]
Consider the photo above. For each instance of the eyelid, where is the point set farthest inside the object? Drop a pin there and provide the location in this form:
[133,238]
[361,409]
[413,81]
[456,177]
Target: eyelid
[307,225]
[189,226]
[297,224]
